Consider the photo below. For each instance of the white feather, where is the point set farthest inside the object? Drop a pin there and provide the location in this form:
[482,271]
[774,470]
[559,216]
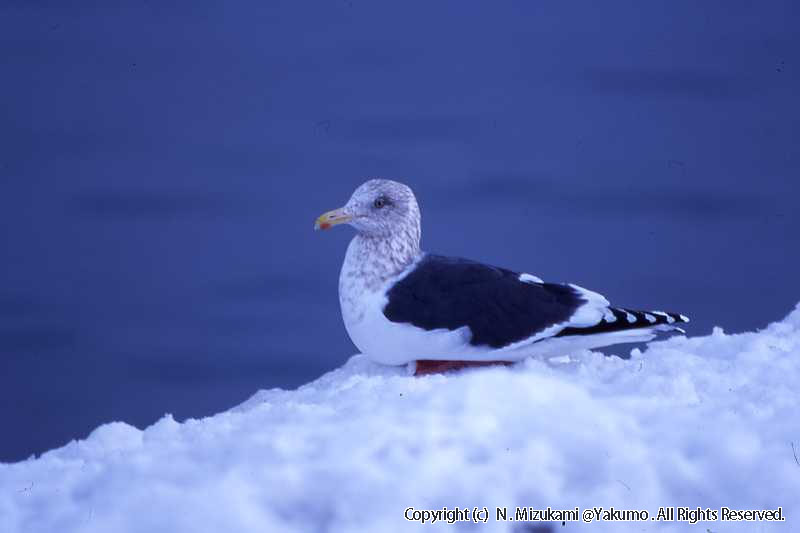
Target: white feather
[529,278]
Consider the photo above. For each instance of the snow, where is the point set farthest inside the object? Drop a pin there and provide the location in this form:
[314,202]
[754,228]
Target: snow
[706,422]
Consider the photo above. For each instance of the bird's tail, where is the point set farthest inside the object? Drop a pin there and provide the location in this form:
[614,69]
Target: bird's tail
[619,319]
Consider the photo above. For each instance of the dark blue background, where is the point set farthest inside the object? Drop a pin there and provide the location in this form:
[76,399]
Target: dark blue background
[162,164]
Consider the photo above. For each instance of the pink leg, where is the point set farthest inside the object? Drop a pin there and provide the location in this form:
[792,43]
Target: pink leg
[431,366]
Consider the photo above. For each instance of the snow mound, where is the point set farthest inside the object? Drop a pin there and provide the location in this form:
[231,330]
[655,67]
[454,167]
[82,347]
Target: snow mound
[700,422]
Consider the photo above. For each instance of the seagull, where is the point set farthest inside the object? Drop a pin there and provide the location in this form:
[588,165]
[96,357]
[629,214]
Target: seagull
[403,306]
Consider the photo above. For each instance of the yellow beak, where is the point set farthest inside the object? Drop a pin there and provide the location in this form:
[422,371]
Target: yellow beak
[331,219]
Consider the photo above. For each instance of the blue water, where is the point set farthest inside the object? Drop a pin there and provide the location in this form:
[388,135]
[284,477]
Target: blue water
[162,167]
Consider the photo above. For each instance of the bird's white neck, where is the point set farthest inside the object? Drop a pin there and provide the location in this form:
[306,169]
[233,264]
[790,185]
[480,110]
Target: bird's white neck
[371,261]
[368,265]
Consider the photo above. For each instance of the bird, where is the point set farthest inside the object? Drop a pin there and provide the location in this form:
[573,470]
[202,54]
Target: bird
[403,306]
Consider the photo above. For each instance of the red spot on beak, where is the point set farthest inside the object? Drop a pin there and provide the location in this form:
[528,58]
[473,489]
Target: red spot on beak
[324,225]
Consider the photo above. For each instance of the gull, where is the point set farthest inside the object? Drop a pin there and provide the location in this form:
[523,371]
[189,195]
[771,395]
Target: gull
[402,306]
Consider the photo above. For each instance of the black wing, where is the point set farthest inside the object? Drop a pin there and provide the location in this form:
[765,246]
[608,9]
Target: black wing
[498,308]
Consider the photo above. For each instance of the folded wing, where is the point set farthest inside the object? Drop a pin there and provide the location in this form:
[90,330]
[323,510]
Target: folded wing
[500,307]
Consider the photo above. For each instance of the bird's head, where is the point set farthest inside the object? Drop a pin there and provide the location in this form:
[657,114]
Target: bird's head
[378,208]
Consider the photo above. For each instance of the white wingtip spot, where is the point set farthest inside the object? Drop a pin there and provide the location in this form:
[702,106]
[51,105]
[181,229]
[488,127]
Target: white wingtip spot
[650,318]
[608,316]
[529,278]
[630,318]
[684,318]
[592,311]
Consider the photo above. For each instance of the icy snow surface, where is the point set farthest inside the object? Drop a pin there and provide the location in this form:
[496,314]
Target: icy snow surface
[707,421]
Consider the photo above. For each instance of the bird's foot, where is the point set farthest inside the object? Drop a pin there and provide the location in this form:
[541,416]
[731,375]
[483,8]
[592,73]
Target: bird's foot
[431,366]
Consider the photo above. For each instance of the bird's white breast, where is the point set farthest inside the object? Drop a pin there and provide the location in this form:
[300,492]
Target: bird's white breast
[362,296]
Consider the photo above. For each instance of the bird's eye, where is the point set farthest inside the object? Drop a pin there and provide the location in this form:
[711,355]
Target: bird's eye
[379,202]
